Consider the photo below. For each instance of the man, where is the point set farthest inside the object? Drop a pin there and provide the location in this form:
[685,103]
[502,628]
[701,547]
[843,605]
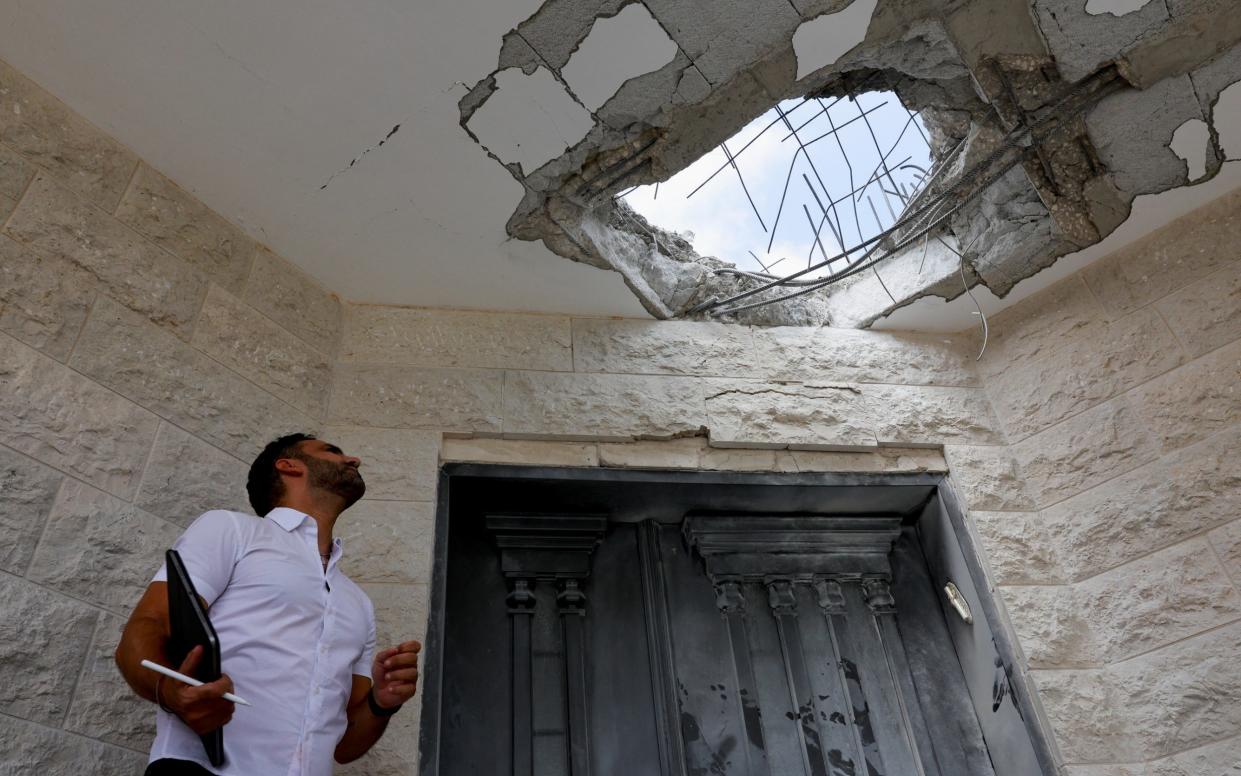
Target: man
[297,637]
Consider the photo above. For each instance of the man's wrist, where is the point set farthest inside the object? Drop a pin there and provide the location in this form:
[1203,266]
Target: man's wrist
[376,709]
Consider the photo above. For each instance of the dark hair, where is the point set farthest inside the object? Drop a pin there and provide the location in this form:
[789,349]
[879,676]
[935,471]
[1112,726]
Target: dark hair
[263,485]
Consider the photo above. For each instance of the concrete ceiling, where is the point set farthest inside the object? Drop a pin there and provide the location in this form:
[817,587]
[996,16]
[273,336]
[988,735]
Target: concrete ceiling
[332,131]
[255,106]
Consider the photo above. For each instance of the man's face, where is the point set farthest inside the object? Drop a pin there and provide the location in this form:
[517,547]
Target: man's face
[329,469]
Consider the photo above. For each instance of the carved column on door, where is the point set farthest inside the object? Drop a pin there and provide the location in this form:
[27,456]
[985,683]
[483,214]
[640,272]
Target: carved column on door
[730,600]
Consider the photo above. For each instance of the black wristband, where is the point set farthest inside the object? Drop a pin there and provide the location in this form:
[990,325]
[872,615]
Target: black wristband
[376,709]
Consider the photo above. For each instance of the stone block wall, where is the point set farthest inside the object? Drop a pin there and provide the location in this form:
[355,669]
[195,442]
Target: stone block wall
[148,348]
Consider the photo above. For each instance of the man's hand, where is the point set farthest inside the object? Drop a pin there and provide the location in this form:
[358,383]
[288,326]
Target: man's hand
[395,674]
[202,708]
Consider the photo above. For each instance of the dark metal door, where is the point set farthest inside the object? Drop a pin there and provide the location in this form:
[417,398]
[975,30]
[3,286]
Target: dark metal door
[723,645]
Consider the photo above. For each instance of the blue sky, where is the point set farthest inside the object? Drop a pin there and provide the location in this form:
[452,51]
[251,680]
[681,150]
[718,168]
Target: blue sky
[725,226]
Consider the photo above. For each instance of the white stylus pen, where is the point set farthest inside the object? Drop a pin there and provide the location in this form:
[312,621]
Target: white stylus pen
[191,681]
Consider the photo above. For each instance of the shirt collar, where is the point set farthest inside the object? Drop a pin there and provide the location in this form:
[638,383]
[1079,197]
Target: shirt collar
[286,518]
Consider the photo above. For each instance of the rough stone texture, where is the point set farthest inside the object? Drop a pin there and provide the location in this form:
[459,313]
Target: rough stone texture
[43,302]
[601,407]
[744,460]
[415,397]
[27,749]
[1195,401]
[930,415]
[397,464]
[1054,355]
[388,541]
[100,549]
[186,477]
[724,39]
[521,451]
[417,337]
[1227,543]
[15,173]
[1132,133]
[27,490]
[1222,757]
[47,133]
[1154,506]
[1053,630]
[794,352]
[292,299]
[55,223]
[103,706]
[1170,258]
[43,640]
[1207,314]
[1069,458]
[810,416]
[158,371]
[673,347]
[1081,42]
[885,459]
[64,420]
[396,754]
[1086,711]
[250,344]
[1159,599]
[180,224]
[987,478]
[1017,548]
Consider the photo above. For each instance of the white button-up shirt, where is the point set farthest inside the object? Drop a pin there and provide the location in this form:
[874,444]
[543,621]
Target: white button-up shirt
[291,638]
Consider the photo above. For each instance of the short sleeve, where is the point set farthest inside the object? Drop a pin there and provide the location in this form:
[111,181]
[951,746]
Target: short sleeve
[363,665]
[210,548]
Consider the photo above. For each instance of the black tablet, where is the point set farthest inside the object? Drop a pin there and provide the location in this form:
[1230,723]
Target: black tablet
[191,628]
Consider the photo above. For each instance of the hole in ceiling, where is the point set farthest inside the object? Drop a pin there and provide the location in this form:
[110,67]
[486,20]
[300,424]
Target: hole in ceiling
[807,183]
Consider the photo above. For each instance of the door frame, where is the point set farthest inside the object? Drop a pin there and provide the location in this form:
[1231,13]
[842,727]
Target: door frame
[948,534]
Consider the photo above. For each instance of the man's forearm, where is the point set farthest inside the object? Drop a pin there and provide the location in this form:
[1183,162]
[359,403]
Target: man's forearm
[143,639]
[363,731]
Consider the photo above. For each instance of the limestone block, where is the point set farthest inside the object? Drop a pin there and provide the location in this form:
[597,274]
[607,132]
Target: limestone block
[49,134]
[388,541]
[27,749]
[27,490]
[7,206]
[103,706]
[100,549]
[1156,600]
[155,369]
[400,612]
[1153,506]
[742,460]
[1195,401]
[987,478]
[181,225]
[1017,548]
[587,407]
[914,415]
[56,416]
[1186,250]
[1084,451]
[1207,314]
[854,355]
[663,347]
[416,337]
[43,301]
[15,174]
[416,397]
[1127,769]
[398,464]
[812,416]
[250,344]
[1088,714]
[884,459]
[1052,629]
[1182,696]
[665,454]
[396,754]
[521,451]
[44,638]
[1038,378]
[185,477]
[1227,543]
[292,299]
[55,223]
[1222,757]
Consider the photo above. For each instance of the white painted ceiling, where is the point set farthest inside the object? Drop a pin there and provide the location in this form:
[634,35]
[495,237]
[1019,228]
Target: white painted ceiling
[254,106]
